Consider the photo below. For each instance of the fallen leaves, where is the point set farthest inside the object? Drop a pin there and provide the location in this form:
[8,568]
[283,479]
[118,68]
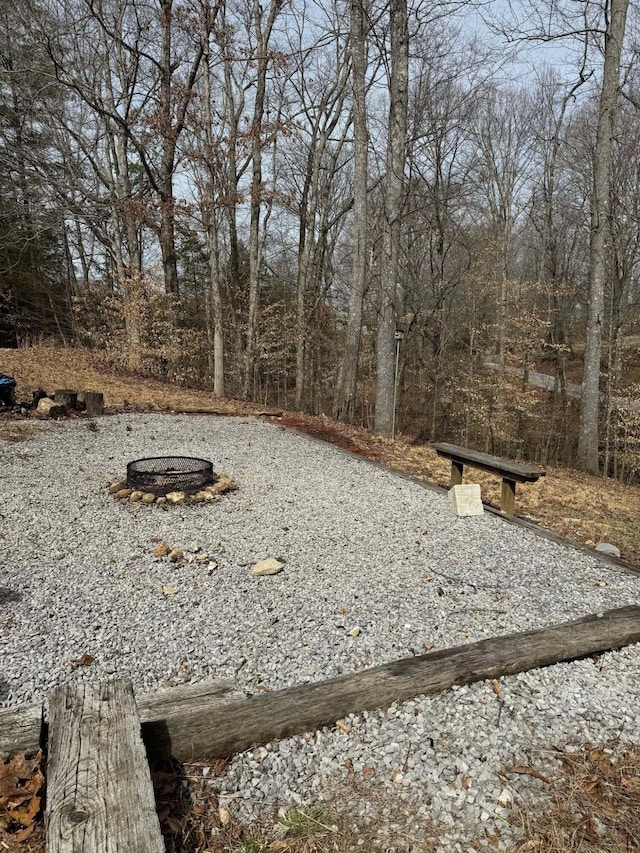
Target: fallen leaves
[21,784]
[85,660]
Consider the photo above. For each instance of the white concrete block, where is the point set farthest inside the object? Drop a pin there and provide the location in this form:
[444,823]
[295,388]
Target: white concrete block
[466,500]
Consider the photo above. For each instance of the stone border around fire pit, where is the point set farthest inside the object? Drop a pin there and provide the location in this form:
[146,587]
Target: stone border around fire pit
[222,484]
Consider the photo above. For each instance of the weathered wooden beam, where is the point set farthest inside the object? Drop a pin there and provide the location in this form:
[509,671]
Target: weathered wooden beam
[99,792]
[24,729]
[508,496]
[457,472]
[518,471]
[207,731]
[21,730]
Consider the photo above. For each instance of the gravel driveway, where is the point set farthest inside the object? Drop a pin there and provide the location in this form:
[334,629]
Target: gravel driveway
[364,548]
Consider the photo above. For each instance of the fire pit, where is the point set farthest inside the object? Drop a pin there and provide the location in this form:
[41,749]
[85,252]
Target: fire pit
[161,475]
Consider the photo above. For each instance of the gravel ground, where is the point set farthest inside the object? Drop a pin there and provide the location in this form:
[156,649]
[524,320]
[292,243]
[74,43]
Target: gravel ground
[363,548]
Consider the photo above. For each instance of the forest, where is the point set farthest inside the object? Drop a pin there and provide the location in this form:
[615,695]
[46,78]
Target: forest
[419,217]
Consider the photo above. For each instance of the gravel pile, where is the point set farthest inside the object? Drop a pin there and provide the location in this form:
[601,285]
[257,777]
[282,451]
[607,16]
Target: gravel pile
[364,549]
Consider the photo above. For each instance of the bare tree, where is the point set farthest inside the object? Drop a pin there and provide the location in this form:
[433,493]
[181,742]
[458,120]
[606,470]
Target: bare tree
[588,440]
[348,374]
[394,198]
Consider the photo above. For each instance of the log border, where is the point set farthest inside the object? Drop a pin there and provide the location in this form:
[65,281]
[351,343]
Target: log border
[207,720]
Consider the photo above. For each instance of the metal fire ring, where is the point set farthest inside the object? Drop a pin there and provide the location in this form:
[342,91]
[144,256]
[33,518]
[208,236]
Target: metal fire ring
[162,474]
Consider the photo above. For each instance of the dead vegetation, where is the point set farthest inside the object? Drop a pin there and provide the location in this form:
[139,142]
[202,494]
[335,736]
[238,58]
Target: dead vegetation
[589,804]
[594,804]
[194,821]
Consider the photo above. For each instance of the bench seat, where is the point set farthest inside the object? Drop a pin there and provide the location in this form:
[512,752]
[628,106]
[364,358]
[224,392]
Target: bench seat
[511,472]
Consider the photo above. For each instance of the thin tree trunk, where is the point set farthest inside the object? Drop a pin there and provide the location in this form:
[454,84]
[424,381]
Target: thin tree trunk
[394,197]
[348,377]
[262,61]
[215,296]
[588,443]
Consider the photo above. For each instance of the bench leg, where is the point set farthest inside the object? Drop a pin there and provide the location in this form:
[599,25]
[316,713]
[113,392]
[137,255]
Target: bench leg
[456,473]
[508,499]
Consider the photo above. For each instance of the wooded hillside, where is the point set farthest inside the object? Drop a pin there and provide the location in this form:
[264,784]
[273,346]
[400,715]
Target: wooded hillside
[299,202]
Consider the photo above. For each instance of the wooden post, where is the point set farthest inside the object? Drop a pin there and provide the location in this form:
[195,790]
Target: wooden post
[99,792]
[66,398]
[94,403]
[508,497]
[457,469]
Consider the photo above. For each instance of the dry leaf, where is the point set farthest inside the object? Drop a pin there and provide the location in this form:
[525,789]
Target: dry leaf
[85,660]
[27,815]
[22,834]
[497,687]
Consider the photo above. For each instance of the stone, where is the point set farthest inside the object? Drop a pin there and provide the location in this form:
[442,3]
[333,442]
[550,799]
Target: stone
[354,632]
[176,498]
[505,798]
[270,566]
[175,555]
[161,550]
[148,498]
[161,500]
[134,497]
[466,500]
[117,487]
[123,493]
[222,484]
[608,548]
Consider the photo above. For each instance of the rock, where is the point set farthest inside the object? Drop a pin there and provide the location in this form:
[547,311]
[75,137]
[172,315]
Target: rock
[270,566]
[354,632]
[175,555]
[608,548]
[161,550]
[506,797]
[466,500]
[123,493]
[193,548]
[222,484]
[134,497]
[117,487]
[48,408]
[148,498]
[161,500]
[176,498]
[169,590]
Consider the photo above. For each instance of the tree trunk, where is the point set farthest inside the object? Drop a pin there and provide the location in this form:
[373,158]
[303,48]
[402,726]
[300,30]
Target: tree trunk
[262,47]
[394,198]
[348,378]
[215,296]
[588,443]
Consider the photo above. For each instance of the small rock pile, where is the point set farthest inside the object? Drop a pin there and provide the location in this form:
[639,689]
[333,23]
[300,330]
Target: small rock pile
[121,491]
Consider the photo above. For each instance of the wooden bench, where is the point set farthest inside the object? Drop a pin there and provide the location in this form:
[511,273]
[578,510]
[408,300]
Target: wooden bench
[511,472]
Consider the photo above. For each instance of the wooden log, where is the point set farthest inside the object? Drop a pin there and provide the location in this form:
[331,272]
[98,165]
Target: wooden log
[99,792]
[48,408]
[94,403]
[21,730]
[207,731]
[66,398]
